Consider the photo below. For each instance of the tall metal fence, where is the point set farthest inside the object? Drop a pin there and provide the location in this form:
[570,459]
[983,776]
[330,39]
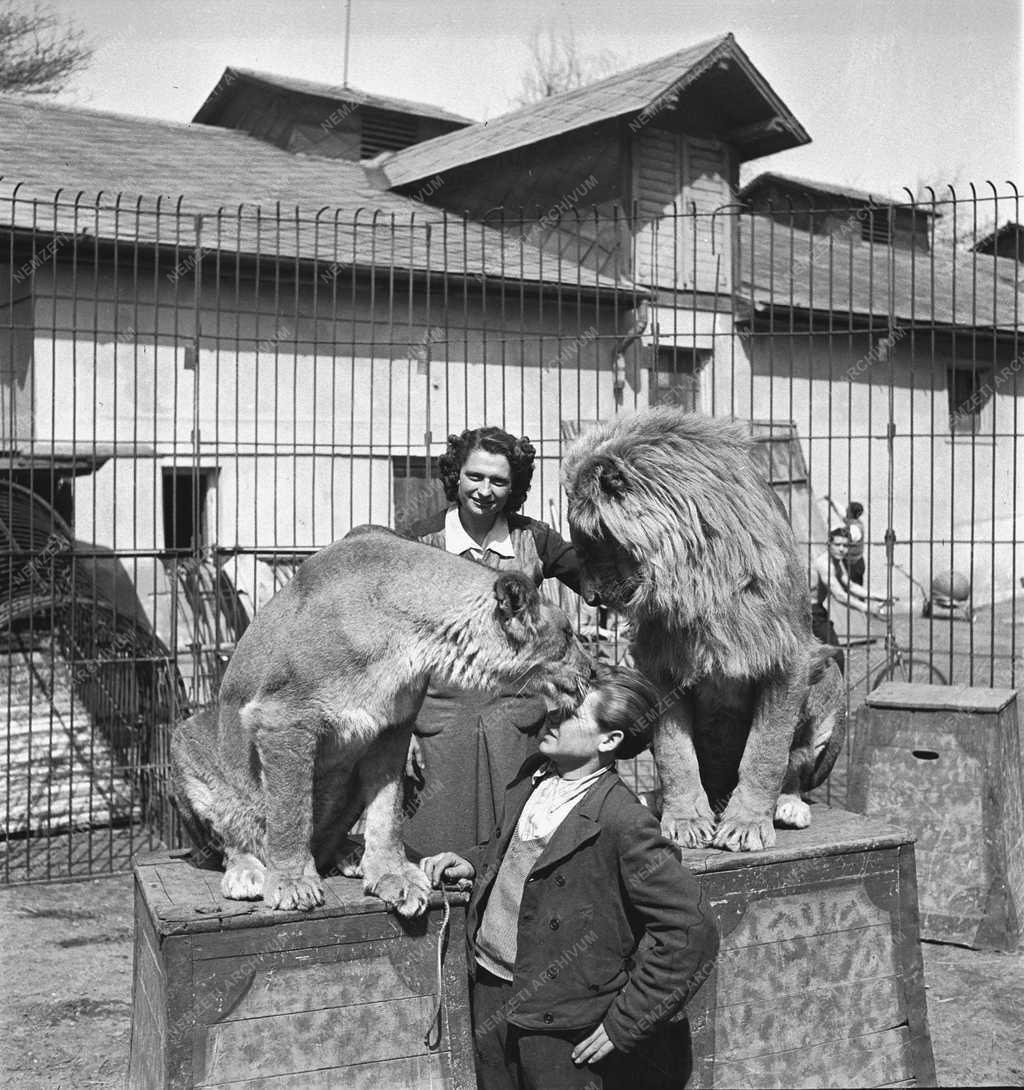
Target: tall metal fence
[192,402]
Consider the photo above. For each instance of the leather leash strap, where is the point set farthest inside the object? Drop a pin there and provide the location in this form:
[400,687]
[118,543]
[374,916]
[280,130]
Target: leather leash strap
[436,1022]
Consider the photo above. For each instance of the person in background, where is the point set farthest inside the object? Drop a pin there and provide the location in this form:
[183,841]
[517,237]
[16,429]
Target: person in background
[832,583]
[855,553]
[468,746]
[853,564]
[587,936]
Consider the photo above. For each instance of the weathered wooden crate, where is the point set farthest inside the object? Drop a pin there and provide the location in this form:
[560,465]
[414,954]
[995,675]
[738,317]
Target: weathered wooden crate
[944,761]
[231,993]
[819,980]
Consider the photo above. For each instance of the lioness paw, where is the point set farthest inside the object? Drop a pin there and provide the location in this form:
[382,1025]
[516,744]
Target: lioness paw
[792,812]
[243,879]
[286,892]
[406,892]
[740,835]
[352,868]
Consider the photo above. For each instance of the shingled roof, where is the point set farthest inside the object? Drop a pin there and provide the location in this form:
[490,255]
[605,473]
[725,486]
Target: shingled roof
[643,88]
[332,92]
[846,194]
[781,267]
[81,172]
[1005,241]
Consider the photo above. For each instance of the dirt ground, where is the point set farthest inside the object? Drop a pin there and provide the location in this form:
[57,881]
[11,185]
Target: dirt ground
[65,962]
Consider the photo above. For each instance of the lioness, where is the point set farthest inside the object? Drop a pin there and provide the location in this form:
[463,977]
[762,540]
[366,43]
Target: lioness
[316,708]
[675,527]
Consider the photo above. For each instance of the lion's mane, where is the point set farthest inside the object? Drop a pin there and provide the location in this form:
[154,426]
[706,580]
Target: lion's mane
[720,578]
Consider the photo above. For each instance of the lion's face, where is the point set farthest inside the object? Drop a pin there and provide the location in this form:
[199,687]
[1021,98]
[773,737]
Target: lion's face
[610,573]
[680,530]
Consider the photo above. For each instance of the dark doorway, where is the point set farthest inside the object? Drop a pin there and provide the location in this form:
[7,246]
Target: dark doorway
[675,378]
[184,496]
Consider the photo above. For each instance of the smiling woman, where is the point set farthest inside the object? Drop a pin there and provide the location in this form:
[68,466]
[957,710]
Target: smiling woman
[485,482]
[468,746]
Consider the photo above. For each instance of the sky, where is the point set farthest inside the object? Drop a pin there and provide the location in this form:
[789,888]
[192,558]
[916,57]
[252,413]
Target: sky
[893,93]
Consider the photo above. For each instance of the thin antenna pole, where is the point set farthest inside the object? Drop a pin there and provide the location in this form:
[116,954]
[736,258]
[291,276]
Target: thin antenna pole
[348,27]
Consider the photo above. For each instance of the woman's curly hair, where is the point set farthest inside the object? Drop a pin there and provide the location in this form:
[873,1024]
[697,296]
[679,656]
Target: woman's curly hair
[519,452]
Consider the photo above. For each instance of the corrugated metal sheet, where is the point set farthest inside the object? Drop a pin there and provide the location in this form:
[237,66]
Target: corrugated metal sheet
[83,670]
[60,772]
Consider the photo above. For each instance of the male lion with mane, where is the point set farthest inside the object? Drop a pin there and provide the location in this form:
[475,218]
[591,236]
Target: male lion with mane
[316,708]
[676,528]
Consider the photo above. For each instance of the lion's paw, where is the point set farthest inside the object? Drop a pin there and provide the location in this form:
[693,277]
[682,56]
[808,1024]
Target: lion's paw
[792,812]
[243,880]
[407,892]
[288,892]
[688,832]
[741,835]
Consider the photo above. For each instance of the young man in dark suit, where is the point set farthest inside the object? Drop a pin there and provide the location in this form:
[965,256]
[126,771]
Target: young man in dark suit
[587,936]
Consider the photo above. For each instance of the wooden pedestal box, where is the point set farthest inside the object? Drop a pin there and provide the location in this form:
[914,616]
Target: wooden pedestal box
[944,762]
[231,993]
[819,980]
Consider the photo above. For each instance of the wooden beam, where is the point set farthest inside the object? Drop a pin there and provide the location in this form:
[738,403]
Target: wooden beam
[757,129]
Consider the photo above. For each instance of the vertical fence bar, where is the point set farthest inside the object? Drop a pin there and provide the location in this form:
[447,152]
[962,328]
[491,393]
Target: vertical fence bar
[110,450]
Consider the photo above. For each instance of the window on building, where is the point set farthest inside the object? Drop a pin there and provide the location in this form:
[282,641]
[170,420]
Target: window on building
[970,390]
[185,494]
[416,489]
[874,226]
[675,377]
[386,131]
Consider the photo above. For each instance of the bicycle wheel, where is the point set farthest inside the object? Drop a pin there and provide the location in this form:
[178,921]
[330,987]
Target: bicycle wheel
[910,669]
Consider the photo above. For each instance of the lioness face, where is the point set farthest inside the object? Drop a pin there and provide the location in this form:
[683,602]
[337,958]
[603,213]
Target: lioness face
[560,670]
[549,658]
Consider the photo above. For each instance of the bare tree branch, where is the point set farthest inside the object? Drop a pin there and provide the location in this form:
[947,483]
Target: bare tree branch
[958,224]
[556,65]
[38,53]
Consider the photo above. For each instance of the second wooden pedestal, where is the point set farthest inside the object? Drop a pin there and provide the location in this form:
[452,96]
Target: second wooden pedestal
[819,980]
[944,761]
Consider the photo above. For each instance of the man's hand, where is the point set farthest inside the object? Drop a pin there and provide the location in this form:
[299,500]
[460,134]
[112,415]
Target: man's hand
[447,866]
[593,1048]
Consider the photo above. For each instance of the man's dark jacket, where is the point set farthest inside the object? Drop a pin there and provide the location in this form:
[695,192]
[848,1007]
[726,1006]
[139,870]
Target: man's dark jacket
[606,880]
